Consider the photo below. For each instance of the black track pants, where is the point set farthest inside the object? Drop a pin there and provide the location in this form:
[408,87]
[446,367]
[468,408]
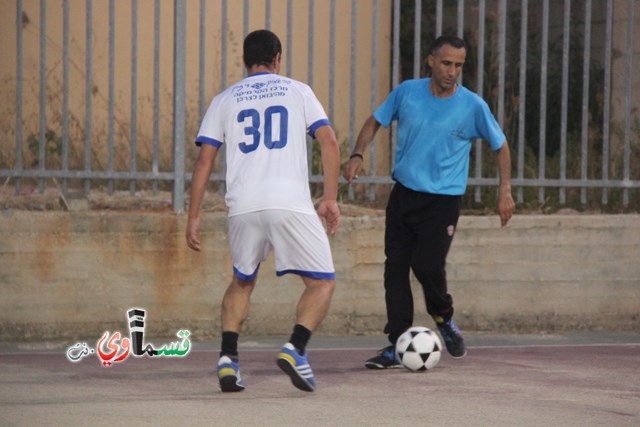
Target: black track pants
[419,231]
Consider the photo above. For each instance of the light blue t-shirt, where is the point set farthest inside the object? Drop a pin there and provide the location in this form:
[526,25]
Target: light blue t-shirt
[435,135]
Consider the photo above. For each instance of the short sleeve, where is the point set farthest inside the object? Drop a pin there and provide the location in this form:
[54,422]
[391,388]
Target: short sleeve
[488,126]
[211,130]
[388,110]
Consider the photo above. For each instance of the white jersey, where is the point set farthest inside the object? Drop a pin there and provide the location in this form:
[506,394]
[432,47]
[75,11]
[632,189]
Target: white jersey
[264,120]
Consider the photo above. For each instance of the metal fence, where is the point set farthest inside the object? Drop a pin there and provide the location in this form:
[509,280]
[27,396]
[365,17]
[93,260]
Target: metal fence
[559,77]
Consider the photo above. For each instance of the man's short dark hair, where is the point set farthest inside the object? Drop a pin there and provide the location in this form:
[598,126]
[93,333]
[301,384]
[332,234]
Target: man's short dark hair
[447,39]
[260,47]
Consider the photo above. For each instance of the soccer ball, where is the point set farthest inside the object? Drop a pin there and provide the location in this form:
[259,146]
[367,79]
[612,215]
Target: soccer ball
[418,349]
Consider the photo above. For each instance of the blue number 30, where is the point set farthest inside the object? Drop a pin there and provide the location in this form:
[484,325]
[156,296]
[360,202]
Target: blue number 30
[253,129]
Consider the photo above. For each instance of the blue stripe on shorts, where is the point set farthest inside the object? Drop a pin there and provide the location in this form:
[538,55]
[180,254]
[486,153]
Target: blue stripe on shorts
[311,274]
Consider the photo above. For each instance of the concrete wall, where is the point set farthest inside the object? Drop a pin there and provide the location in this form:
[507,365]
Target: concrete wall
[67,275]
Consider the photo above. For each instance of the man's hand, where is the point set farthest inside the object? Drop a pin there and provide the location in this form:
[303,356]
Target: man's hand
[329,211]
[505,203]
[365,136]
[193,225]
[352,169]
[506,206]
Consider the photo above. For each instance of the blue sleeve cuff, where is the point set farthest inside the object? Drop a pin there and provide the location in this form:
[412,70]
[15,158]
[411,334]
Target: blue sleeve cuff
[209,141]
[314,127]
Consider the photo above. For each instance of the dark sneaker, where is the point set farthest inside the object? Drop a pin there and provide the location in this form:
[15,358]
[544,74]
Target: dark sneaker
[297,367]
[453,340]
[385,359]
[229,375]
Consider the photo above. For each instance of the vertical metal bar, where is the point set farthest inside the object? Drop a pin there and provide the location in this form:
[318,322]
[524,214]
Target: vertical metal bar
[332,58]
[374,92]
[156,88]
[374,53]
[439,18]
[607,101]
[310,44]
[88,127]
[65,93]
[395,72]
[111,101]
[43,93]
[224,40]
[223,82]
[586,58]
[201,57]
[353,70]
[502,55]
[522,92]
[460,19]
[245,18]
[460,28]
[566,29]
[543,98]
[627,101]
[179,74]
[480,91]
[267,11]
[289,36]
[395,66]
[352,81]
[133,138]
[417,32]
[19,83]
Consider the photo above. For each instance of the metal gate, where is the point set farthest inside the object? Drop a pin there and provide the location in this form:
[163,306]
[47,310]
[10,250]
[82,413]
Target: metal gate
[109,94]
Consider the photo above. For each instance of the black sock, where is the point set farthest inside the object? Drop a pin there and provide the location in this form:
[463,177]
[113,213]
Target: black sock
[300,338]
[229,345]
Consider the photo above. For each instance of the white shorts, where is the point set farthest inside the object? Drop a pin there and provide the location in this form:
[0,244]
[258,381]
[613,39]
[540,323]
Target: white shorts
[299,241]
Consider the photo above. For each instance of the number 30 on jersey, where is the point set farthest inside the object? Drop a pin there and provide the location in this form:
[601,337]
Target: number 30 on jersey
[252,119]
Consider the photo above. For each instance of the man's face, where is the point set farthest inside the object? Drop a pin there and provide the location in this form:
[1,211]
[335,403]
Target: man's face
[446,65]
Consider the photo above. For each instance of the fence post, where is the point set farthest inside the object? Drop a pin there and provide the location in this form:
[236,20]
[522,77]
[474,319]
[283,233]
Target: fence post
[179,47]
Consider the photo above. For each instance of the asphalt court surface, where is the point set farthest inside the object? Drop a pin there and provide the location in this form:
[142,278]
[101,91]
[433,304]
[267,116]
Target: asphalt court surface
[580,379]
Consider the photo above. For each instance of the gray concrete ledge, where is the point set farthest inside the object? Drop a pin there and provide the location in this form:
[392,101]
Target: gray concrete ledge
[66,275]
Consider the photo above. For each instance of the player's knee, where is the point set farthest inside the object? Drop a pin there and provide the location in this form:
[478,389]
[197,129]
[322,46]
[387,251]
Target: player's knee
[321,285]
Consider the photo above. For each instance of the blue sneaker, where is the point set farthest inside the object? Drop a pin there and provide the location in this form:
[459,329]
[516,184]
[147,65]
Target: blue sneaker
[452,337]
[229,375]
[297,367]
[386,359]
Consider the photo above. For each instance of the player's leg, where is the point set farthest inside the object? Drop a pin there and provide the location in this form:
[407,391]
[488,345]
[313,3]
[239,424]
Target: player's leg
[435,230]
[399,240]
[436,234]
[398,295]
[235,309]
[248,248]
[301,247]
[235,303]
[314,303]
[312,308]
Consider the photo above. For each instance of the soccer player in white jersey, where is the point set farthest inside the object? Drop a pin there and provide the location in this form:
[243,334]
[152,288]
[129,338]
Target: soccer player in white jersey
[264,120]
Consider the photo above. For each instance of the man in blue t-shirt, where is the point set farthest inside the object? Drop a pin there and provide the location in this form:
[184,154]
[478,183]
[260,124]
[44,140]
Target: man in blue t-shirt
[437,121]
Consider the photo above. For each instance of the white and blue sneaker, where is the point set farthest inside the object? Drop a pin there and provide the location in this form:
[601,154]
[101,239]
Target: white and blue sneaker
[229,374]
[297,367]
